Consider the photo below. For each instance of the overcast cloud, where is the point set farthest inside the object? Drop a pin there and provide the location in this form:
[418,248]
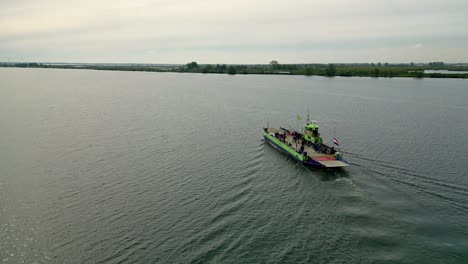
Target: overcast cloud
[238,31]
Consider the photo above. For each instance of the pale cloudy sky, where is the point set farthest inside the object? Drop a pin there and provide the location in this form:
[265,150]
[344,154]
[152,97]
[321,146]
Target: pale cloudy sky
[239,31]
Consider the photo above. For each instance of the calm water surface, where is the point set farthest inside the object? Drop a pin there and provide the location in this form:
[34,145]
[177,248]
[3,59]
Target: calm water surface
[130,167]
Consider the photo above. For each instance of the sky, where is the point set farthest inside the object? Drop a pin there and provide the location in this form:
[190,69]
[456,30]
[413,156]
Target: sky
[240,31]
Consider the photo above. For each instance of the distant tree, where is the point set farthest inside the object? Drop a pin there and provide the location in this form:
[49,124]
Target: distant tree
[276,66]
[231,70]
[309,71]
[274,62]
[376,72]
[373,64]
[379,64]
[223,68]
[412,64]
[220,68]
[192,65]
[330,70]
[242,69]
[208,68]
[386,64]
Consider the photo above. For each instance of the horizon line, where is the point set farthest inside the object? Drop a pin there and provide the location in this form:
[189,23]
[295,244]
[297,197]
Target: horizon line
[298,63]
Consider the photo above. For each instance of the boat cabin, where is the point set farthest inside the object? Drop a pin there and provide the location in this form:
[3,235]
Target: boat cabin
[311,133]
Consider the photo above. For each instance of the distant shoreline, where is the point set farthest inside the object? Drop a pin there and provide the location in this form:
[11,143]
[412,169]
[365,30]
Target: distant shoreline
[330,70]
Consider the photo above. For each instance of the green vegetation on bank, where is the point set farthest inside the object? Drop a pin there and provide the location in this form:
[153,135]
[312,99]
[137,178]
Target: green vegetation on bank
[376,70]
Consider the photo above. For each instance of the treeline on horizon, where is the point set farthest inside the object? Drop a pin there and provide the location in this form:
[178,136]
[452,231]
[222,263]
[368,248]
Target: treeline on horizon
[359,70]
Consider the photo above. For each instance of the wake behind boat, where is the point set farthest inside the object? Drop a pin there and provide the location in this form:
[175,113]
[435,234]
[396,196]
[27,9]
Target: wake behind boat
[307,147]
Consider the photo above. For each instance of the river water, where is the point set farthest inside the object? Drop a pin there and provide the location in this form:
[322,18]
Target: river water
[134,167]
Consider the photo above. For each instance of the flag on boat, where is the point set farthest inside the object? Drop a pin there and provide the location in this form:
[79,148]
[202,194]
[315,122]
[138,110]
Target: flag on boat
[299,117]
[335,141]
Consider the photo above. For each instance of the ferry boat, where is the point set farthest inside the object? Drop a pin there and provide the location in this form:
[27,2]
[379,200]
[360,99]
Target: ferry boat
[306,147]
